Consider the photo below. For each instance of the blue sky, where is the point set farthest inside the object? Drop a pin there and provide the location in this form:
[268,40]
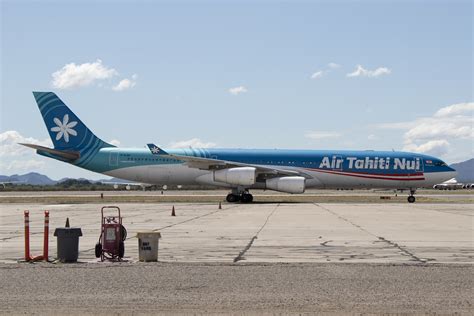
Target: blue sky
[288,64]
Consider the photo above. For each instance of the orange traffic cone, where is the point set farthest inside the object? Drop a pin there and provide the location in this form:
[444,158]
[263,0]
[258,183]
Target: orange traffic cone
[173,212]
[220,206]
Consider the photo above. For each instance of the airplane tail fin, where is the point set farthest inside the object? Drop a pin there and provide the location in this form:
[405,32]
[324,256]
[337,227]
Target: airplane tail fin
[67,131]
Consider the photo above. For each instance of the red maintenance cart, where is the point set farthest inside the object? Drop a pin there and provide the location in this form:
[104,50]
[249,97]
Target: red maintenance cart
[112,236]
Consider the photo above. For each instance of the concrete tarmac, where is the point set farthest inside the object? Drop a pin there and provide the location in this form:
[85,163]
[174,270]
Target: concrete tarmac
[266,232]
[249,258]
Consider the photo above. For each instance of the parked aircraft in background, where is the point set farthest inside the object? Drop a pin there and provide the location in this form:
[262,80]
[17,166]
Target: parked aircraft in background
[128,185]
[291,171]
[4,184]
[452,184]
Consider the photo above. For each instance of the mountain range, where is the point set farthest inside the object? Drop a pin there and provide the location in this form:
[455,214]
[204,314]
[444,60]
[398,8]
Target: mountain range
[35,178]
[465,171]
[465,174]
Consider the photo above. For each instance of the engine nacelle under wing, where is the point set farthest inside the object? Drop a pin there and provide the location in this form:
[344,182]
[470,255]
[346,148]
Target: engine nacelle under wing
[287,184]
[237,176]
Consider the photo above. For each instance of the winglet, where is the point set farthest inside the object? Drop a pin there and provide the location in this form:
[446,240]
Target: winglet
[155,150]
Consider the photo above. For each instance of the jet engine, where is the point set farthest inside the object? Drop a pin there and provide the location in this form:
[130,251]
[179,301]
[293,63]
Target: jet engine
[287,184]
[238,176]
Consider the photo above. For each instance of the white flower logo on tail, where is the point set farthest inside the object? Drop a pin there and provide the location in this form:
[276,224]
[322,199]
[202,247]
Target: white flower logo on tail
[64,128]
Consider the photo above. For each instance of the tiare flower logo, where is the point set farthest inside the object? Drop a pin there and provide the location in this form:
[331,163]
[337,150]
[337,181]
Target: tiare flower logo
[64,128]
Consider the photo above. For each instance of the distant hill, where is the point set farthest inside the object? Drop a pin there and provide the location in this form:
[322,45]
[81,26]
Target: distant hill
[78,179]
[465,171]
[33,178]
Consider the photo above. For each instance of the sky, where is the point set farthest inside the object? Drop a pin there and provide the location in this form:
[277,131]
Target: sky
[378,75]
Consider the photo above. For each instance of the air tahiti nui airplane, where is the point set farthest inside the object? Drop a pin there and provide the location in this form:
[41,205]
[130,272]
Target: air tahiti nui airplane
[290,171]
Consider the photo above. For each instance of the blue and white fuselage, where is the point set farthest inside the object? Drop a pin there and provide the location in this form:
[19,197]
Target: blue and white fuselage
[326,169]
[290,171]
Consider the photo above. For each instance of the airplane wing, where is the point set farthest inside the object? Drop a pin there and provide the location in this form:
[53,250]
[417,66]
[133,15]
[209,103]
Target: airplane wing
[216,164]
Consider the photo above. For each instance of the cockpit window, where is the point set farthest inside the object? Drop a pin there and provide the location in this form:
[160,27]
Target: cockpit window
[440,164]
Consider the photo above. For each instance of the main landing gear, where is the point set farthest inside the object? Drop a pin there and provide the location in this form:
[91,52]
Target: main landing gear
[243,196]
[411,197]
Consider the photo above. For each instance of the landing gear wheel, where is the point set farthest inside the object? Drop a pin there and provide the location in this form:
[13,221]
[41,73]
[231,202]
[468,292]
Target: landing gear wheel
[246,198]
[411,199]
[232,198]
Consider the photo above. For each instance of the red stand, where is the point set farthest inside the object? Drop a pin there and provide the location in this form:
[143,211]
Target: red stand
[45,238]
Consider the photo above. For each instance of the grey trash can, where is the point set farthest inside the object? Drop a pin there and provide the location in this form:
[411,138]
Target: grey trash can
[148,246]
[68,243]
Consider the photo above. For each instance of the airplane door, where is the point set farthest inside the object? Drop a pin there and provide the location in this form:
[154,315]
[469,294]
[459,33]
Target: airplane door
[113,159]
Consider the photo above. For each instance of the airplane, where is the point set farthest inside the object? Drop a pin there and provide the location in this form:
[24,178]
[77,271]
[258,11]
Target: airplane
[128,185]
[451,184]
[290,171]
[4,184]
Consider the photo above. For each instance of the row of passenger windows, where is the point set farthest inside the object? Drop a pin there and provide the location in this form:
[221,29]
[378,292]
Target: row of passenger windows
[281,162]
[254,162]
[150,159]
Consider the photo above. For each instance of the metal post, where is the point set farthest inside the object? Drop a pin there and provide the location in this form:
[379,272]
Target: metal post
[27,236]
[46,236]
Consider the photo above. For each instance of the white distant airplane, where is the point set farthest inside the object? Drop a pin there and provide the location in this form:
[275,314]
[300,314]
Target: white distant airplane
[451,184]
[129,185]
[4,184]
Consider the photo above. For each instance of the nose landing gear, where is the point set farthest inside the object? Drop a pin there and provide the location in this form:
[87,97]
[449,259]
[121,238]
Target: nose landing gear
[411,198]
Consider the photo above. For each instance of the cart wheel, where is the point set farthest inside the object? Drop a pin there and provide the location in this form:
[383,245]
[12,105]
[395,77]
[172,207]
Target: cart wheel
[98,249]
[121,252]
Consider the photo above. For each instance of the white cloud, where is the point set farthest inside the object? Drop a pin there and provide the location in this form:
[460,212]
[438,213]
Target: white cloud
[434,134]
[456,109]
[334,65]
[20,166]
[114,142]
[16,158]
[73,76]
[433,147]
[317,74]
[320,73]
[372,137]
[434,128]
[194,142]
[237,90]
[362,72]
[125,84]
[322,134]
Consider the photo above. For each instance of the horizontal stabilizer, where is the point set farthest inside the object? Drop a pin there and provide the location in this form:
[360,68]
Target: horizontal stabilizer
[66,154]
